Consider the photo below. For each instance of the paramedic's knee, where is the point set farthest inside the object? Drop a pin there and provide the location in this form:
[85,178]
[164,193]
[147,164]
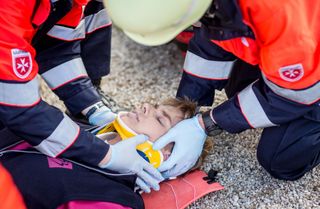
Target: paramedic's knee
[290,150]
[277,170]
[285,159]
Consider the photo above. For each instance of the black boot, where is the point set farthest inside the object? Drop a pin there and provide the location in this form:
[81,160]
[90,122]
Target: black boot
[107,100]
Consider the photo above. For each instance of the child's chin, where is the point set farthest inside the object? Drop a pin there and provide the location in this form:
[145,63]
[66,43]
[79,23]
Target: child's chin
[166,155]
[167,150]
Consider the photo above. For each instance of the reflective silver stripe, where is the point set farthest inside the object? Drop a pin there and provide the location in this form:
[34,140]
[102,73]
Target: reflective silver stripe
[60,139]
[305,96]
[64,73]
[88,24]
[68,34]
[20,94]
[97,20]
[206,68]
[252,110]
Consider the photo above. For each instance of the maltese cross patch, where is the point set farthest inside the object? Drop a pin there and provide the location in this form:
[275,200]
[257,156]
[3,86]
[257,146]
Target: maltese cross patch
[21,63]
[292,73]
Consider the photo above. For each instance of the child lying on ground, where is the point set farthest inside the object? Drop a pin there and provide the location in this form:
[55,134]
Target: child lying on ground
[58,183]
[152,121]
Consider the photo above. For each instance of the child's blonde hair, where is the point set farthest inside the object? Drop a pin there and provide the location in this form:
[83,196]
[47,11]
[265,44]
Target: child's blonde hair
[188,108]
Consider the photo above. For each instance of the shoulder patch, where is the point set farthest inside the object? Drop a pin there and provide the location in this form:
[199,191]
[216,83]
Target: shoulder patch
[21,63]
[292,73]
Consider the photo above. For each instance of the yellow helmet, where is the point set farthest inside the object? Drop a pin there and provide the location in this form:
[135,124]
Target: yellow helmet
[155,22]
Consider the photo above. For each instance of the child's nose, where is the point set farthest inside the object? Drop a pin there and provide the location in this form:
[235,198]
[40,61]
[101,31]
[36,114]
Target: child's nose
[148,109]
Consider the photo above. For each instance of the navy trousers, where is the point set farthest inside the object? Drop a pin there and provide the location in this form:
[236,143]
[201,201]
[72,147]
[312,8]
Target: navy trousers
[289,151]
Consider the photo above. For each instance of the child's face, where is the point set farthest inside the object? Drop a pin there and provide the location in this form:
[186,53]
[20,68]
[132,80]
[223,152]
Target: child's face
[153,121]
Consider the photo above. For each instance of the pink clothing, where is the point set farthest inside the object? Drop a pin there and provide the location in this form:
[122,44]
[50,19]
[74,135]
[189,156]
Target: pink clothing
[59,163]
[21,146]
[79,204]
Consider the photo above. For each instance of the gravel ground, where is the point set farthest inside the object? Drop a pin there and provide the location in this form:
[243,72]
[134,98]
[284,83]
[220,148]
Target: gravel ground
[149,74]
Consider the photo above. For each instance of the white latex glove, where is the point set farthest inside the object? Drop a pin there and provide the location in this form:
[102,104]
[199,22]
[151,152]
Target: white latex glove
[189,138]
[125,159]
[101,116]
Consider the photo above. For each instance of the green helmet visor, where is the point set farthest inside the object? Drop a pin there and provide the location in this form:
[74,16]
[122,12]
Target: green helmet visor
[157,21]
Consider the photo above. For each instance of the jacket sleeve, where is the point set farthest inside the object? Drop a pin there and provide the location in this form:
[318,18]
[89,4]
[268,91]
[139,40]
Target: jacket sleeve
[96,47]
[289,87]
[258,106]
[21,108]
[206,68]
[60,61]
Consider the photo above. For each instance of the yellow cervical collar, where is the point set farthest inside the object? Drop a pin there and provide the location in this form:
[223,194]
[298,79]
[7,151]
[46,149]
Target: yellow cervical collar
[145,149]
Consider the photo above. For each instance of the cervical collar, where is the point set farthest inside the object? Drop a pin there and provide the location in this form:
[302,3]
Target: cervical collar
[145,149]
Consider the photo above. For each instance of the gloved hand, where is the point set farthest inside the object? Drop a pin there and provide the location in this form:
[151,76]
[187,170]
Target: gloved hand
[100,115]
[189,138]
[125,158]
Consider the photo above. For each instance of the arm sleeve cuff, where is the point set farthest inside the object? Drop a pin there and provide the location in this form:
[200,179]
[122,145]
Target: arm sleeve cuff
[229,117]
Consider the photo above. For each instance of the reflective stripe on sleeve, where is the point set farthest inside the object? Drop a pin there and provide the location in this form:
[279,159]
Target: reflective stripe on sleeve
[86,25]
[61,138]
[96,21]
[68,34]
[65,73]
[306,96]
[200,67]
[20,94]
[252,109]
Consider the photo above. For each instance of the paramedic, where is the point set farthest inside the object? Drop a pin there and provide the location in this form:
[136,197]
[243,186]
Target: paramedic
[67,42]
[281,38]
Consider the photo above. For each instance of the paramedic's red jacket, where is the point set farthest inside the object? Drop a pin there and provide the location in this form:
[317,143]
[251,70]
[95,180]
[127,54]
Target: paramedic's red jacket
[282,37]
[10,196]
[59,38]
